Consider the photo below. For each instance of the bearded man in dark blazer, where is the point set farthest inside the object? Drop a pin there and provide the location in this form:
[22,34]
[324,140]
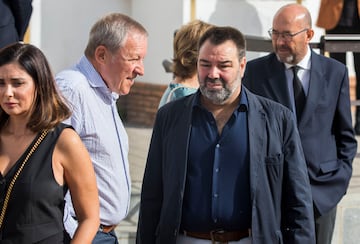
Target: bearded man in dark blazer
[225,165]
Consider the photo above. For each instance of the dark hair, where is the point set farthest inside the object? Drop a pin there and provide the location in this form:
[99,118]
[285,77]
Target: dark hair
[218,35]
[49,108]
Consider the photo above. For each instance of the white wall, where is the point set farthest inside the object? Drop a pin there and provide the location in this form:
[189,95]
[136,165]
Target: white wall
[160,18]
[60,28]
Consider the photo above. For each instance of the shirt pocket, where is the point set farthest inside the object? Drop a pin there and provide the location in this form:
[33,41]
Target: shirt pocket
[274,165]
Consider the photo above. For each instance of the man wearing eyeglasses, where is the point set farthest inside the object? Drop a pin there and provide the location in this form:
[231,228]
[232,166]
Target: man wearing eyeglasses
[316,88]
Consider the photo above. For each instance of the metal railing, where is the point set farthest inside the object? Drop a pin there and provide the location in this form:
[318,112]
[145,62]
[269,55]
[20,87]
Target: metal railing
[336,43]
[339,43]
[263,44]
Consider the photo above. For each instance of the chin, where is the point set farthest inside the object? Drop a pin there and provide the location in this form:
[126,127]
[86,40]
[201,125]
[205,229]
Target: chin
[124,92]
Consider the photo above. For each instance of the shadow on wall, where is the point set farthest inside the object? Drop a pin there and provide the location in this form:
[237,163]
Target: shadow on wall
[239,14]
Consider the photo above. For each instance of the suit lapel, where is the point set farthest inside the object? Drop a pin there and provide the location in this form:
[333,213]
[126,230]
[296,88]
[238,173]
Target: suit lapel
[316,88]
[256,125]
[277,83]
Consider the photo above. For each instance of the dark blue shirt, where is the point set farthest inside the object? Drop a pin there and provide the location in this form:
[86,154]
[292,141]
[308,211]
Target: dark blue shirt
[217,191]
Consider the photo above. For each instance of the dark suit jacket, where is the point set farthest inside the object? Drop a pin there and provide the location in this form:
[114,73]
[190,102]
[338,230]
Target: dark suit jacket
[325,127]
[14,19]
[280,191]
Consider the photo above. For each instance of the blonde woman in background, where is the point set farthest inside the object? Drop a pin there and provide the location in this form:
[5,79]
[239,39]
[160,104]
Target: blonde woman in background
[184,63]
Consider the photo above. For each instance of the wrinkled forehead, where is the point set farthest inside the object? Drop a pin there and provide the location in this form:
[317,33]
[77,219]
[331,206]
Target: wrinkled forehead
[134,45]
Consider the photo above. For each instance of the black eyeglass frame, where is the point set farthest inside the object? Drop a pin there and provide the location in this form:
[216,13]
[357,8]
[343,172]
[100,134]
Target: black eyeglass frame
[286,35]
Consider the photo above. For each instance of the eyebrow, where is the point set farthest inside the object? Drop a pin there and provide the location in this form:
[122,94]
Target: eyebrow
[17,79]
[204,60]
[221,62]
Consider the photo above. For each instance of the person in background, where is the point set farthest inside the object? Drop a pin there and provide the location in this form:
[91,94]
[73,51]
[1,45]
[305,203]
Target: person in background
[14,20]
[318,95]
[40,157]
[184,63]
[113,59]
[225,165]
[343,17]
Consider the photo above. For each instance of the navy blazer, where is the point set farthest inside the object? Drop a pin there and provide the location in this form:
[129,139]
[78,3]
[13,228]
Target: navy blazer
[325,126]
[14,20]
[280,191]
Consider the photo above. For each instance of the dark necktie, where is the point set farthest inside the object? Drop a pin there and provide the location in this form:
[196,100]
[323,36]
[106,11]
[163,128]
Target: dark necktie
[299,94]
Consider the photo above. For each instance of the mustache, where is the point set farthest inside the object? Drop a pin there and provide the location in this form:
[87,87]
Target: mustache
[216,80]
[284,47]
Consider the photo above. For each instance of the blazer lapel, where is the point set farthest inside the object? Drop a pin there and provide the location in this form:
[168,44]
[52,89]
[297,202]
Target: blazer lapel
[278,86]
[256,125]
[316,88]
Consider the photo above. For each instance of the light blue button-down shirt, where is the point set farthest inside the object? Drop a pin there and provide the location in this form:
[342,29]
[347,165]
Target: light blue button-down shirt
[96,120]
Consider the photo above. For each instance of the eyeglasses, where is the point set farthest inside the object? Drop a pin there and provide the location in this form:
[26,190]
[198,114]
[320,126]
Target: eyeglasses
[287,36]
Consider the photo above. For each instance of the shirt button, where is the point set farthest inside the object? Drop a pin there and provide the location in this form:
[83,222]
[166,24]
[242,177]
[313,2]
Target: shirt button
[216,195]
[217,170]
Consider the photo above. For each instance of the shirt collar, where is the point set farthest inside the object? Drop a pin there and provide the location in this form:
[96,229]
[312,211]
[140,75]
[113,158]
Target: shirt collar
[94,78]
[87,67]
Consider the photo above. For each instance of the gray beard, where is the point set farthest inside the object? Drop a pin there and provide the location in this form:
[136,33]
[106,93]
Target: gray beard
[216,97]
[289,59]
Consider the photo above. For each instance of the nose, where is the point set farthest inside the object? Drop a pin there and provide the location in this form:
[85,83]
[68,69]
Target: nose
[281,39]
[8,91]
[213,72]
[139,69]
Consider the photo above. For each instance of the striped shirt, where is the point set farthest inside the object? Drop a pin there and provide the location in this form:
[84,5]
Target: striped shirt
[95,118]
